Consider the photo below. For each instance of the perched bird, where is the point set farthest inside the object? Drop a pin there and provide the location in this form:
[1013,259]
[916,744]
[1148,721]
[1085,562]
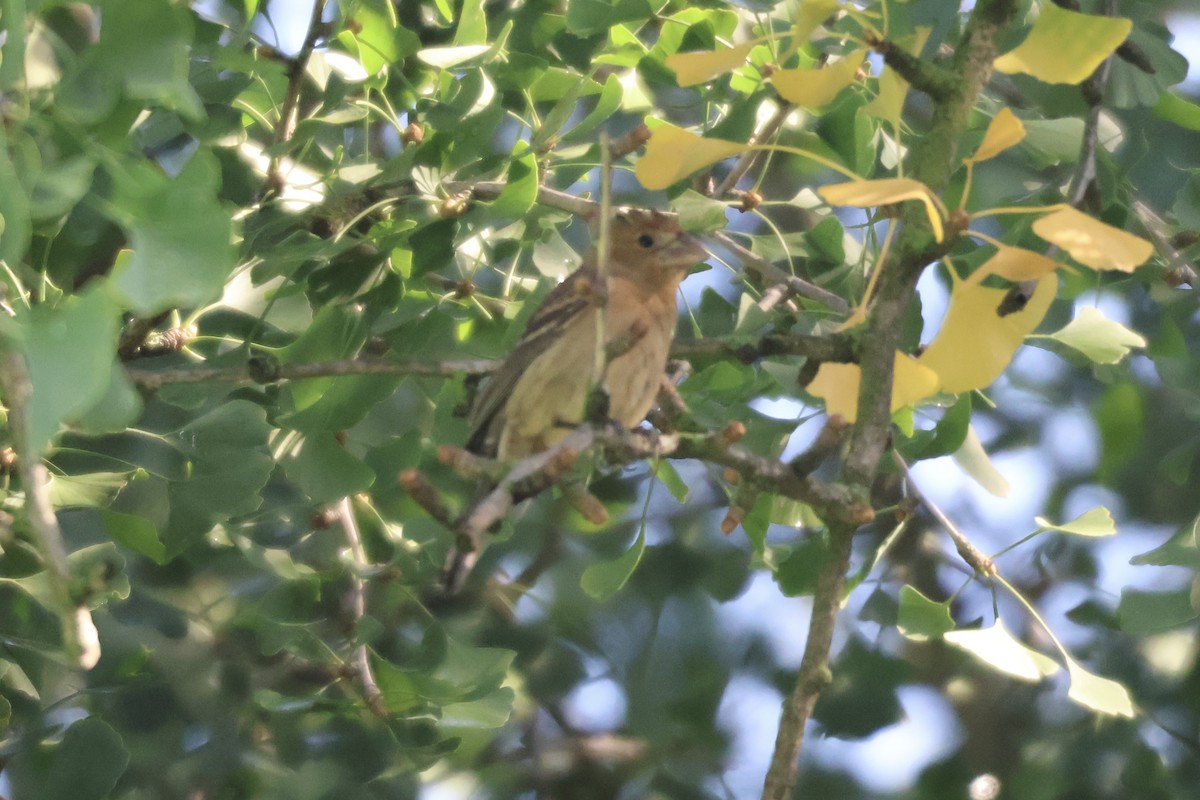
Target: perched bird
[538,394]
[540,391]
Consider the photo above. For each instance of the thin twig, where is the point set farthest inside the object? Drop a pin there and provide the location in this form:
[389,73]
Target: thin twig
[976,559]
[358,599]
[289,110]
[747,159]
[772,275]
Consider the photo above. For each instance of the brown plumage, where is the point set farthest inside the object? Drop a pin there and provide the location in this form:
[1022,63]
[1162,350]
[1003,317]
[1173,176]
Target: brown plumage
[539,392]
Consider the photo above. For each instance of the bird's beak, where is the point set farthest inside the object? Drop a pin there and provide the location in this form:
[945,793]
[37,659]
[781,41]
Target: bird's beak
[686,251]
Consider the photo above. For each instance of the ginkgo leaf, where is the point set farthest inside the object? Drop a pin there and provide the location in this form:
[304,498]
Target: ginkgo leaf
[1014,264]
[1099,338]
[674,153]
[1099,694]
[810,16]
[701,67]
[864,194]
[974,460]
[837,384]
[1065,46]
[976,343]
[1091,242]
[1097,522]
[1004,131]
[999,649]
[921,618]
[816,87]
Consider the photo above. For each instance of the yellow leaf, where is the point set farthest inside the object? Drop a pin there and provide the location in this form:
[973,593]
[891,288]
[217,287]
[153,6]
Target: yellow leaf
[811,14]
[975,343]
[1014,264]
[863,194]
[700,67]
[816,87]
[838,384]
[1065,46]
[674,153]
[1091,242]
[1004,131]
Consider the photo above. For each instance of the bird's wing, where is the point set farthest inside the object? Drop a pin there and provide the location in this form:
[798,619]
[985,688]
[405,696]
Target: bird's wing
[562,304]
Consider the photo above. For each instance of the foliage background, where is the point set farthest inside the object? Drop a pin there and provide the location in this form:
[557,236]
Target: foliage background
[153,176]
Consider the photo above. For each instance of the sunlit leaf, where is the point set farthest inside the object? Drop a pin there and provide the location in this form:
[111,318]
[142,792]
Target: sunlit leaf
[1014,264]
[864,194]
[921,618]
[700,67]
[673,153]
[1065,46]
[1099,694]
[998,648]
[1091,242]
[1004,131]
[974,461]
[810,15]
[446,57]
[1097,522]
[838,384]
[976,343]
[817,87]
[1099,338]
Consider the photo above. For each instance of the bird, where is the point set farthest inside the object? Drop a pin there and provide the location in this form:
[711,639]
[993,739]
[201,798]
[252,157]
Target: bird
[539,393]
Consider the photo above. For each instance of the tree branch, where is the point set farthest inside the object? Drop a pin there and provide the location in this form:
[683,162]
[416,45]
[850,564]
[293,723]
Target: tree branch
[931,162]
[289,110]
[358,596]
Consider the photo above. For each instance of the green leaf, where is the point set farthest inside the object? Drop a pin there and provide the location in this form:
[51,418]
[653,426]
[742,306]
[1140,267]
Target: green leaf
[797,573]
[144,45]
[1099,694]
[606,106]
[87,764]
[1119,416]
[324,470]
[1174,108]
[699,213]
[15,225]
[1002,651]
[669,477]
[135,532]
[59,188]
[921,618]
[70,352]
[521,187]
[117,409]
[88,489]
[946,437]
[486,713]
[1181,550]
[181,237]
[588,17]
[1097,337]
[1095,523]
[601,581]
[1151,612]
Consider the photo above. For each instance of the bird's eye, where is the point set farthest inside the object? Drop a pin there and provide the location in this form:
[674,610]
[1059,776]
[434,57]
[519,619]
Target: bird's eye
[646,240]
